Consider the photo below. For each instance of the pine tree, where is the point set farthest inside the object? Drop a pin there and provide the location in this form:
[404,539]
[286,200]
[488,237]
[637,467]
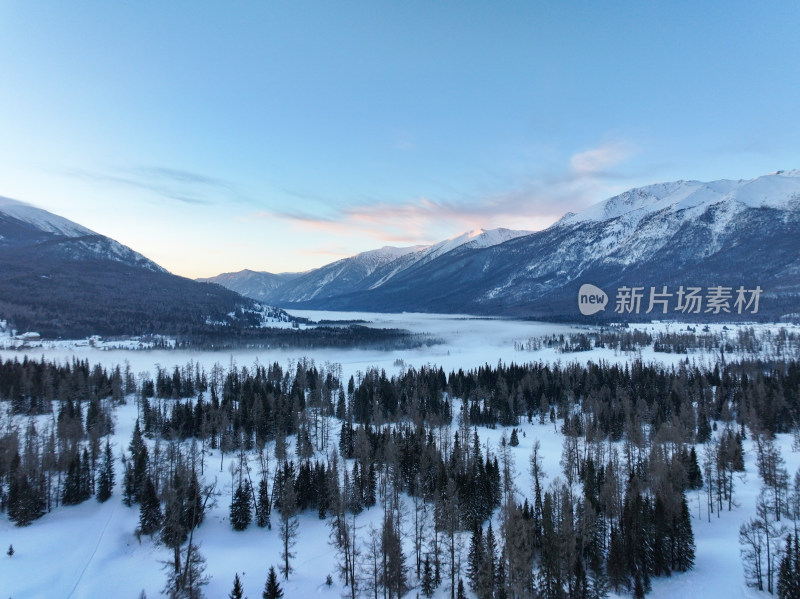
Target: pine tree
[616,565]
[241,507]
[263,507]
[24,500]
[371,487]
[272,589]
[150,516]
[488,571]
[128,484]
[193,511]
[475,558]
[694,476]
[105,480]
[789,571]
[10,551]
[427,578]
[684,539]
[141,462]
[461,594]
[237,592]
[137,442]
[514,441]
[550,570]
[72,482]
[84,477]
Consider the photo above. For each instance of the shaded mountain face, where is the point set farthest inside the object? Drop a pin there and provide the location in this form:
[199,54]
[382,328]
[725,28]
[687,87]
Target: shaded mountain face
[61,279]
[685,233]
[259,286]
[361,273]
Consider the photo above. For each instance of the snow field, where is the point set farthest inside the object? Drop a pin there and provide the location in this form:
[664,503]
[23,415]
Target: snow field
[90,550]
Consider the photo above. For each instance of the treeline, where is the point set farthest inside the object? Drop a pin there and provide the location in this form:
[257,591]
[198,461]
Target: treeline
[740,341]
[350,336]
[30,385]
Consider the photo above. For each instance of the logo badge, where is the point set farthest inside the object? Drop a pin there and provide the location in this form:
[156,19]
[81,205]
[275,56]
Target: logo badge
[591,299]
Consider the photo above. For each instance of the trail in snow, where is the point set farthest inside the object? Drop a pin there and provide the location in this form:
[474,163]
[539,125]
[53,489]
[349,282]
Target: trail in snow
[94,552]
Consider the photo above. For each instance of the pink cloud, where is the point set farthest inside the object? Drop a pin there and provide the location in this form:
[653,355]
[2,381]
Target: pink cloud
[533,204]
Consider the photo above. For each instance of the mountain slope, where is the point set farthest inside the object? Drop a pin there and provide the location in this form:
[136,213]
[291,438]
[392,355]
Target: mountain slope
[688,233]
[363,272]
[250,283]
[61,279]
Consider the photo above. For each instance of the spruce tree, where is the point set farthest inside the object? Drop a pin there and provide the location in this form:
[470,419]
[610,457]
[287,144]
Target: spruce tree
[241,507]
[72,482]
[616,566]
[789,571]
[427,578]
[24,500]
[193,506]
[128,484]
[263,507]
[684,539]
[371,486]
[105,480]
[150,516]
[694,476]
[272,589]
[461,594]
[475,558]
[488,571]
[237,592]
[10,552]
[84,477]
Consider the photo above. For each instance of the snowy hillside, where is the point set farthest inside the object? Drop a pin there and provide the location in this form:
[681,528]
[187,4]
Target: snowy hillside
[61,279]
[364,271]
[41,219]
[83,550]
[24,224]
[780,190]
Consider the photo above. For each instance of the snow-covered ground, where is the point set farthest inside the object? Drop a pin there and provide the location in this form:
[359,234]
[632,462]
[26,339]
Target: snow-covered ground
[90,550]
[466,342]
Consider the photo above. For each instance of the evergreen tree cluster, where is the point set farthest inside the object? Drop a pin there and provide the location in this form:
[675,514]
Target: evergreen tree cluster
[31,386]
[64,463]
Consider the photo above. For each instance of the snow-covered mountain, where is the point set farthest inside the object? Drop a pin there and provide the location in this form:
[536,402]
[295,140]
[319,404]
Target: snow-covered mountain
[365,271]
[254,284]
[690,233]
[59,278]
[24,225]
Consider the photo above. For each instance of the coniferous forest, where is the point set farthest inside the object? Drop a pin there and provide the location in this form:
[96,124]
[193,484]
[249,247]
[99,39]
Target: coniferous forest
[636,440]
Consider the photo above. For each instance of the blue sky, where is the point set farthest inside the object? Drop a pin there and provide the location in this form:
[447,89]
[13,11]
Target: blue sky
[281,136]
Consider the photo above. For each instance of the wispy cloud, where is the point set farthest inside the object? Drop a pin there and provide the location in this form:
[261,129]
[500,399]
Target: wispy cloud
[596,161]
[533,203]
[178,185]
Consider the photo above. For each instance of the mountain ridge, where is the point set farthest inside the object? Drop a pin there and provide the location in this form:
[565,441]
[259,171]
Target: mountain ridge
[60,278]
[675,233]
